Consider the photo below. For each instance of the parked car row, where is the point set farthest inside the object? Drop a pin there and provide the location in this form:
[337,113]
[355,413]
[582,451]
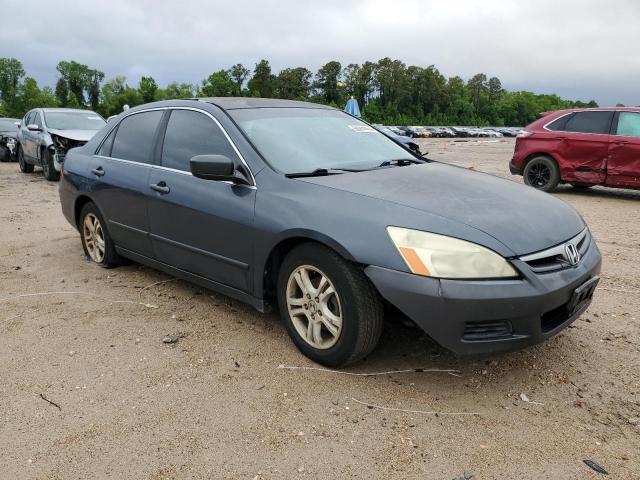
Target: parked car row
[453,132]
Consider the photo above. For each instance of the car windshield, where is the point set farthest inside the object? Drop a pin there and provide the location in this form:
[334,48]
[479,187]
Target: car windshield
[74,120]
[305,139]
[8,125]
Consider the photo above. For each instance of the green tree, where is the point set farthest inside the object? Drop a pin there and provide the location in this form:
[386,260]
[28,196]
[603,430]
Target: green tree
[239,74]
[218,84]
[262,82]
[326,82]
[293,83]
[148,88]
[80,80]
[62,92]
[11,72]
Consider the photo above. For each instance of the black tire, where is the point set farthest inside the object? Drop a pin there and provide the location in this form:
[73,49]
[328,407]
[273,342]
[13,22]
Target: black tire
[542,173]
[48,170]
[361,307]
[110,257]
[581,186]
[22,162]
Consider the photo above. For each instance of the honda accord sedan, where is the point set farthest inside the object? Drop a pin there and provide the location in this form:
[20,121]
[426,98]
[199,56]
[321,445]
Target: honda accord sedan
[309,210]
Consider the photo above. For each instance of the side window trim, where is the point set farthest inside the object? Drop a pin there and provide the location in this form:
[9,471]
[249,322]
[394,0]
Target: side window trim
[609,132]
[162,129]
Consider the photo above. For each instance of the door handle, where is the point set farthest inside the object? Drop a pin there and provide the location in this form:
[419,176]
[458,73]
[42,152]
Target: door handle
[160,187]
[98,171]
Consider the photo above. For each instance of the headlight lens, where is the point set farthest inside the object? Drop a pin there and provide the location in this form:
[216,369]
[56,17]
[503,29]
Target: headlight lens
[433,255]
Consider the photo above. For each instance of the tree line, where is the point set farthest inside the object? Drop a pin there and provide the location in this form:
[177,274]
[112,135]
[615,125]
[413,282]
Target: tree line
[388,92]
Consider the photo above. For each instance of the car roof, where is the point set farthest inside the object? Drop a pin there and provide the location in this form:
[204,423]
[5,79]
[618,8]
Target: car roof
[234,103]
[593,109]
[65,110]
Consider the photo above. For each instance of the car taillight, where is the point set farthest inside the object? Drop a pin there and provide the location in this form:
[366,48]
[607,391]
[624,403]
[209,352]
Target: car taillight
[524,134]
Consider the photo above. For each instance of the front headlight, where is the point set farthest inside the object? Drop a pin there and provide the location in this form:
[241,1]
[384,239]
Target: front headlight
[433,255]
[11,141]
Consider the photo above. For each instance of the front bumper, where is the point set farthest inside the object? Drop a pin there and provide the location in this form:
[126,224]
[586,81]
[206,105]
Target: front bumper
[477,317]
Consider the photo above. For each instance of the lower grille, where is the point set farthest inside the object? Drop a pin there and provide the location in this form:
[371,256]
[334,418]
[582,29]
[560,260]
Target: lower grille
[495,330]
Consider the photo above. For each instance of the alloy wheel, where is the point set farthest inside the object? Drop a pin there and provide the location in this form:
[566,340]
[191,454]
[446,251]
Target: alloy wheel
[539,175]
[93,237]
[314,307]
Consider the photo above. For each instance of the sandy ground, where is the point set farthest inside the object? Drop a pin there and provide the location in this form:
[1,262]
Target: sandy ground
[216,405]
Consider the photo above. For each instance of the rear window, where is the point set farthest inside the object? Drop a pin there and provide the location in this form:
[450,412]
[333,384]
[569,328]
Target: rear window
[559,124]
[589,122]
[628,124]
[135,136]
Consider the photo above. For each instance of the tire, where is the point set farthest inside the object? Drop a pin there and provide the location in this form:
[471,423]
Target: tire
[24,166]
[542,173]
[355,302]
[101,252]
[581,186]
[48,169]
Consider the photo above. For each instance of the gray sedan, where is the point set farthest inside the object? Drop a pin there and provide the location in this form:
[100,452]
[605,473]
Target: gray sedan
[306,209]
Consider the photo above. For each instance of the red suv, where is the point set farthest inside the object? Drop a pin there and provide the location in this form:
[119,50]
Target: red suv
[583,147]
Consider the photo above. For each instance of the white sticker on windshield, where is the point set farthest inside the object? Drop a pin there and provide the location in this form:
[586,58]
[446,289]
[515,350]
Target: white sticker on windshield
[362,128]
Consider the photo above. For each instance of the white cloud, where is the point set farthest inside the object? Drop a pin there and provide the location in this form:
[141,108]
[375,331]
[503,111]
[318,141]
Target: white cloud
[580,49]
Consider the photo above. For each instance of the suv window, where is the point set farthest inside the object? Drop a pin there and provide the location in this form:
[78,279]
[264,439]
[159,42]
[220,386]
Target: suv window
[628,124]
[589,122]
[28,119]
[189,134]
[559,124]
[135,136]
[37,120]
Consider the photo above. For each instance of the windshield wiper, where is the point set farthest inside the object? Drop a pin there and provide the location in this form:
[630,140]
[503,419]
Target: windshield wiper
[318,172]
[400,162]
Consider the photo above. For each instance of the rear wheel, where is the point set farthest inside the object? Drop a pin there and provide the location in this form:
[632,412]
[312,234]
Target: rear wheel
[542,173]
[330,309]
[24,166]
[48,169]
[96,242]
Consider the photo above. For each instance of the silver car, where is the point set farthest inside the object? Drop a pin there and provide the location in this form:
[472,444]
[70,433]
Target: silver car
[46,134]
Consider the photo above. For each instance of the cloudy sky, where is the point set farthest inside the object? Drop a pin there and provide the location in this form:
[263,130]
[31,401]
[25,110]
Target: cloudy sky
[581,49]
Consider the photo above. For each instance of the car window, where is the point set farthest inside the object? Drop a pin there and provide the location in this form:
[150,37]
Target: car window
[135,136]
[189,134]
[105,148]
[28,119]
[559,123]
[589,122]
[37,120]
[628,124]
[304,139]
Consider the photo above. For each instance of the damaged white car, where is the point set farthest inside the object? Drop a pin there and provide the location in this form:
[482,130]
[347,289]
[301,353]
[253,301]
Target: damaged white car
[46,134]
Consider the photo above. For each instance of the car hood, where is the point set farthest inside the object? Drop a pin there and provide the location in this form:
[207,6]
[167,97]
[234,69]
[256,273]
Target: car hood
[78,135]
[521,218]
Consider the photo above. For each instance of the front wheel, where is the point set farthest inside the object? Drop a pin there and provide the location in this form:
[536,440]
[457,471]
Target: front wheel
[331,310]
[48,169]
[24,166]
[542,173]
[96,241]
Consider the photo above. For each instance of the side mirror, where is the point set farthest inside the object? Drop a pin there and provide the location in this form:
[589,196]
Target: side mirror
[32,127]
[216,167]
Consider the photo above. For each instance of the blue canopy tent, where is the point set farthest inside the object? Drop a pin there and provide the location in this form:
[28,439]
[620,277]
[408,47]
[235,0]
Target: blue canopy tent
[352,107]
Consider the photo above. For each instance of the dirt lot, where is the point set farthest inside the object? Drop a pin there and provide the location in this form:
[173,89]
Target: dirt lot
[216,405]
